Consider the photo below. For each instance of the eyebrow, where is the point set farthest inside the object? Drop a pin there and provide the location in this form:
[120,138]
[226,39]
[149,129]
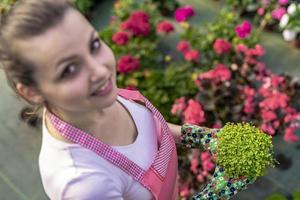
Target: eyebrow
[74,56]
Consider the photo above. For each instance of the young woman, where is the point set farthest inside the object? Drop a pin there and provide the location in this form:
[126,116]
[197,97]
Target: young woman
[99,142]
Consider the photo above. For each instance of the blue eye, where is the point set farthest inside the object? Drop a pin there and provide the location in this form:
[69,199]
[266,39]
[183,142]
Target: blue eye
[68,71]
[96,44]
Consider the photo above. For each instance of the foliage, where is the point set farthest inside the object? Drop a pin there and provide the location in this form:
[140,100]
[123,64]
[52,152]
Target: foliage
[84,5]
[202,38]
[153,62]
[271,13]
[276,196]
[244,157]
[290,23]
[215,73]
[296,195]
[5,5]
[166,7]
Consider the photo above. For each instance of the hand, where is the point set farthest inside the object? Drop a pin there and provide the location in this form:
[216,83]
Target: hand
[222,186]
[194,136]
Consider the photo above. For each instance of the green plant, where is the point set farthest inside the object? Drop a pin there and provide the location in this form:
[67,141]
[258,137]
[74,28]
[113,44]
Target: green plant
[202,38]
[5,5]
[84,5]
[296,195]
[166,7]
[244,150]
[276,196]
[290,23]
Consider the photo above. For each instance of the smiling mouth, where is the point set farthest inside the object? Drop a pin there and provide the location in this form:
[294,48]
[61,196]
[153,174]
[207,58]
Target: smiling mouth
[103,90]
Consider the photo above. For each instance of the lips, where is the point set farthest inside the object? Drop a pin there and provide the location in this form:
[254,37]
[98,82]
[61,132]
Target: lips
[104,89]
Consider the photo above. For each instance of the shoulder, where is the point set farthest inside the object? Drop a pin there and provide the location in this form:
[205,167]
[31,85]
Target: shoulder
[75,173]
[131,94]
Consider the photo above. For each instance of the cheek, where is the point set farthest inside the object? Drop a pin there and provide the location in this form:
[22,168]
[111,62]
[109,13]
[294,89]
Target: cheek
[109,56]
[68,92]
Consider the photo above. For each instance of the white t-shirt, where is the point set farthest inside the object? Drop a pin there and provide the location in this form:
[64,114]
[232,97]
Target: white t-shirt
[69,171]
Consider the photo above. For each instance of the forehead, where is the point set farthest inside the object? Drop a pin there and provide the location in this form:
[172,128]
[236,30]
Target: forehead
[66,37]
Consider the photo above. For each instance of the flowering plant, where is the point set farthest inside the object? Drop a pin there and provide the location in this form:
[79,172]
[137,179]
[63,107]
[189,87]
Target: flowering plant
[266,13]
[290,23]
[214,76]
[135,35]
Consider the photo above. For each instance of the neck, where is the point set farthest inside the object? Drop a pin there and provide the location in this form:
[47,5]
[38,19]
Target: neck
[87,120]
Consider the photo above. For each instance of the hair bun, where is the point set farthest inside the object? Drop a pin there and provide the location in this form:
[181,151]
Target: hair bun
[30,117]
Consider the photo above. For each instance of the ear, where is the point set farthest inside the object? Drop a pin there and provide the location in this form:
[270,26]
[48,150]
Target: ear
[29,93]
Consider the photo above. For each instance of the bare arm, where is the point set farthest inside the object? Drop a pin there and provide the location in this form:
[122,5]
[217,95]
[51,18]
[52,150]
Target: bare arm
[176,132]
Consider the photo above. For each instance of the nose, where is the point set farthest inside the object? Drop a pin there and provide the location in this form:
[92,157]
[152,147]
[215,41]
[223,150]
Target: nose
[97,71]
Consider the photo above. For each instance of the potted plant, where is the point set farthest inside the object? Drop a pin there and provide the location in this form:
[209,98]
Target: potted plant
[290,24]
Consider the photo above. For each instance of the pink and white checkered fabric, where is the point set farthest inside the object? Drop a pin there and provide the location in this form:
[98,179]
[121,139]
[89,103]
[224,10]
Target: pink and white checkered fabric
[161,161]
[105,151]
[167,145]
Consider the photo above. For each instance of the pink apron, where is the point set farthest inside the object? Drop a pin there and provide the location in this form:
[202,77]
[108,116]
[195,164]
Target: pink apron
[161,178]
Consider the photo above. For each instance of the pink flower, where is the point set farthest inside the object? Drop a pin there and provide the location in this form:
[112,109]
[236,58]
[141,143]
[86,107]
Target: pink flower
[164,27]
[244,29]
[205,156]
[248,91]
[192,55]
[221,46]
[179,106]
[131,87]
[268,115]
[120,38]
[276,124]
[127,63]
[278,13]
[217,125]
[183,46]
[194,166]
[140,15]
[184,192]
[138,24]
[268,129]
[283,2]
[241,48]
[289,135]
[219,74]
[259,50]
[261,11]
[276,80]
[200,178]
[208,165]
[194,113]
[222,72]
[291,115]
[183,13]
[276,100]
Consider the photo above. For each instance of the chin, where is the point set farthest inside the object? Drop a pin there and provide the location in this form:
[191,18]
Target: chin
[111,99]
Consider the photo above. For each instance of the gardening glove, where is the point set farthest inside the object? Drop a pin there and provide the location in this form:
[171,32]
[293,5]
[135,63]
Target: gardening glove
[221,186]
[193,136]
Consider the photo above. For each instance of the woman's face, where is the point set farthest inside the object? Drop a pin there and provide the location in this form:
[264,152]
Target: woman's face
[72,64]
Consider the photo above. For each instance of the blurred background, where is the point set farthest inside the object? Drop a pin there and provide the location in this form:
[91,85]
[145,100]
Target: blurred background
[205,62]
